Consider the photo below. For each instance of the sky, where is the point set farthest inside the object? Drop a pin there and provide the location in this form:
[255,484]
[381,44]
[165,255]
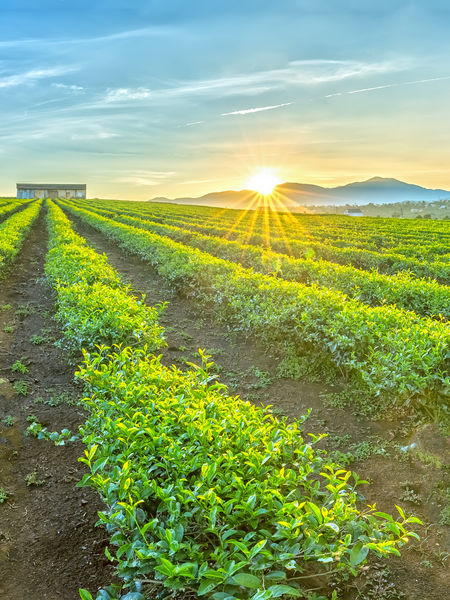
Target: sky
[140,99]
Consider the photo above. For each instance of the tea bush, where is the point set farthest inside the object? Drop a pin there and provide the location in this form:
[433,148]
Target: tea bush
[13,232]
[424,297]
[93,305]
[398,357]
[205,494]
[210,494]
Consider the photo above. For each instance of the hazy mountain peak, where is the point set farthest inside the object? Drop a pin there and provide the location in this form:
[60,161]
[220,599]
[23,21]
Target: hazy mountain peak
[384,179]
[377,190]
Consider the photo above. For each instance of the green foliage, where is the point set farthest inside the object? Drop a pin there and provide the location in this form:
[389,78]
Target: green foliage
[19,367]
[371,287]
[4,495]
[12,233]
[444,518]
[59,439]
[8,421]
[387,246]
[33,479]
[205,494]
[22,311]
[409,494]
[263,378]
[21,388]
[213,494]
[398,357]
[93,305]
[56,399]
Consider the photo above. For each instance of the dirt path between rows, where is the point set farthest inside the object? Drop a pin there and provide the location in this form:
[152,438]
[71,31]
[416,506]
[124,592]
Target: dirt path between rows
[250,372]
[49,546]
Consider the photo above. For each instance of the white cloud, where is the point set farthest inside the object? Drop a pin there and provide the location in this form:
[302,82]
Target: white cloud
[296,73]
[389,85]
[247,111]
[72,88]
[125,94]
[192,123]
[131,33]
[155,174]
[300,72]
[34,75]
[137,180]
[94,135]
[144,177]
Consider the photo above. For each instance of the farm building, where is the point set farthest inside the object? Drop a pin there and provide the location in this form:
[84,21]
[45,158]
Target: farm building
[353,212]
[51,190]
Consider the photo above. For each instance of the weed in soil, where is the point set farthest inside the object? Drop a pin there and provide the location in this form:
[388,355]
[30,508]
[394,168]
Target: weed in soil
[21,388]
[57,399]
[22,311]
[19,367]
[32,479]
[4,495]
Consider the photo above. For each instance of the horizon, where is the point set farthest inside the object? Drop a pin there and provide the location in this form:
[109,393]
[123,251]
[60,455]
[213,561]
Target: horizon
[225,191]
[330,187]
[173,100]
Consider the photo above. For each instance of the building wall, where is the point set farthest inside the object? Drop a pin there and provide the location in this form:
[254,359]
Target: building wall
[25,194]
[30,193]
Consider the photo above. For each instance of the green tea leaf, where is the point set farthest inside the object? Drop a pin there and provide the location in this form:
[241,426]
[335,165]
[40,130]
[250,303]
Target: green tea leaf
[206,586]
[358,554]
[281,589]
[247,580]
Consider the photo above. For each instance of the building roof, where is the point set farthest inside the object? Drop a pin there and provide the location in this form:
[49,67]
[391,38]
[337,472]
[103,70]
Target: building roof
[52,186]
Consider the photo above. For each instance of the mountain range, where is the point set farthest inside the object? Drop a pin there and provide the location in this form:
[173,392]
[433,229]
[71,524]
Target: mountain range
[292,196]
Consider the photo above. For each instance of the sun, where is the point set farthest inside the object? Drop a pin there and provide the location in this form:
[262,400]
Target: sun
[263,182]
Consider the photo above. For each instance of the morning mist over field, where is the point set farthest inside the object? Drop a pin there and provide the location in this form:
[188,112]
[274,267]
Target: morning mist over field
[176,99]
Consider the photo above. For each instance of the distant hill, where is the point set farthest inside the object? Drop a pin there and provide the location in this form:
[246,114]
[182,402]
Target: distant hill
[378,190]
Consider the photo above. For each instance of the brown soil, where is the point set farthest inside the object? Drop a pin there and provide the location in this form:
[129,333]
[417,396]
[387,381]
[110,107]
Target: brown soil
[252,372]
[49,546]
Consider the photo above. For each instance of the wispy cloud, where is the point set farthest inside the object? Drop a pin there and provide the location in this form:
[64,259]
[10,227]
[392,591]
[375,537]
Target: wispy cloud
[143,177]
[122,35]
[59,131]
[296,73]
[34,75]
[155,174]
[192,123]
[196,181]
[300,72]
[126,94]
[137,180]
[388,85]
[94,135]
[131,33]
[248,111]
[72,88]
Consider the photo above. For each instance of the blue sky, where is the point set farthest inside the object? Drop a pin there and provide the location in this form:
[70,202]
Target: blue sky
[177,98]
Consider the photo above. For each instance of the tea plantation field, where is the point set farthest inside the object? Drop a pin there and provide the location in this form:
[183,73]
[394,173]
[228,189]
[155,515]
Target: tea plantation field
[232,381]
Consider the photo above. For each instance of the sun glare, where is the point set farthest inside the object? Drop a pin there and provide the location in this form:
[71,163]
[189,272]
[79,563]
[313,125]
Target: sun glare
[263,182]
